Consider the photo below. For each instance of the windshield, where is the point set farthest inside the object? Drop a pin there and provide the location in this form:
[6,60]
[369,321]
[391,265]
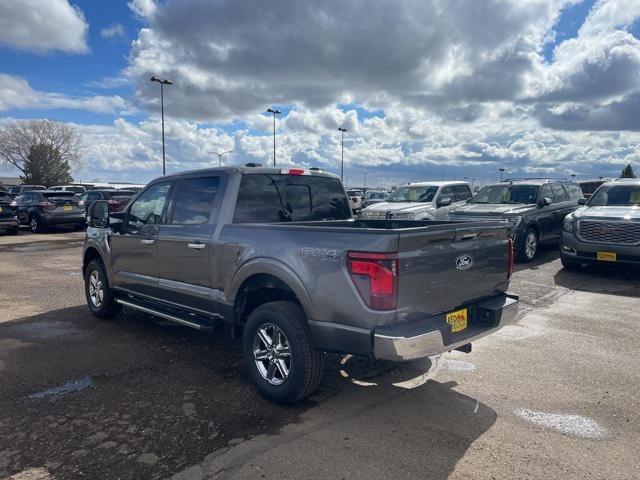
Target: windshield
[526,194]
[376,195]
[628,195]
[413,194]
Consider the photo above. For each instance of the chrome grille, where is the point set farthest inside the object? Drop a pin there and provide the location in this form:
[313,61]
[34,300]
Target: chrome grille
[373,215]
[476,218]
[609,232]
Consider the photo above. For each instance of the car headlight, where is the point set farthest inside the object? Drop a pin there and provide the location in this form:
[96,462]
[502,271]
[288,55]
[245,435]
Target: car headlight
[404,216]
[567,223]
[515,221]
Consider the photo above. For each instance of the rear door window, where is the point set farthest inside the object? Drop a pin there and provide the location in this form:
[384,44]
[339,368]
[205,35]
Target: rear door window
[282,198]
[194,201]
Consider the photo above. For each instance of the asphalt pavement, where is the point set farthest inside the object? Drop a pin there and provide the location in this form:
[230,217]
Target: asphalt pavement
[554,396]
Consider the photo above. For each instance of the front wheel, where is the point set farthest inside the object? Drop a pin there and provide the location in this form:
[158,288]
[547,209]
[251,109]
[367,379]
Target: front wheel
[278,353]
[529,247]
[100,298]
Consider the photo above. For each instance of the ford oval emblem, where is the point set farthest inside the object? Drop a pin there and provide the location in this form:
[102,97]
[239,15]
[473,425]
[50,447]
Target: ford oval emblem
[464,262]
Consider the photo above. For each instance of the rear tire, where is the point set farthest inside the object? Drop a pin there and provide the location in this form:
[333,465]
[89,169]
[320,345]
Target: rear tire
[35,224]
[99,295]
[276,339]
[79,226]
[529,248]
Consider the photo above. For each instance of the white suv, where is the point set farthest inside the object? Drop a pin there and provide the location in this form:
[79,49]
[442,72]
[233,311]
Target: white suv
[420,201]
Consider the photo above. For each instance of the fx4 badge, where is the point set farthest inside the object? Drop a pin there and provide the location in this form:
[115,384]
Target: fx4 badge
[464,262]
[321,253]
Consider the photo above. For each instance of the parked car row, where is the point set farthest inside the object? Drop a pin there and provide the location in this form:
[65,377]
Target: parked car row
[538,211]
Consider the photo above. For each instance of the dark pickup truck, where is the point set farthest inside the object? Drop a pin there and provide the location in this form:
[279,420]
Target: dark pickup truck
[277,254]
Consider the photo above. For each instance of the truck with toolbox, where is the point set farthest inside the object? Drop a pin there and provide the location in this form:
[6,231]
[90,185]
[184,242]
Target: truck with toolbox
[276,254]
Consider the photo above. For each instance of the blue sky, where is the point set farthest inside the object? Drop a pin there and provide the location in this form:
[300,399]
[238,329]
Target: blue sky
[542,88]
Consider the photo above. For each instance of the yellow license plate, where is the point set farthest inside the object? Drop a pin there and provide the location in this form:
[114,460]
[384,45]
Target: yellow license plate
[607,256]
[457,320]
[67,208]
[0,209]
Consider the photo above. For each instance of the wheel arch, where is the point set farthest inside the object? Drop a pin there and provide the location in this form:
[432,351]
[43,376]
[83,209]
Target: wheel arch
[260,282]
[91,253]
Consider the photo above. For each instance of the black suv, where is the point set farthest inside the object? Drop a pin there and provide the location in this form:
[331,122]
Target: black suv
[116,199]
[8,219]
[42,208]
[535,209]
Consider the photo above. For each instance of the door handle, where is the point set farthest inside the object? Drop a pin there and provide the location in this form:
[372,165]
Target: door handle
[196,246]
[148,242]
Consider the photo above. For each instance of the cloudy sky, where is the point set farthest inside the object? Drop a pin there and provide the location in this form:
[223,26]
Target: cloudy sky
[427,89]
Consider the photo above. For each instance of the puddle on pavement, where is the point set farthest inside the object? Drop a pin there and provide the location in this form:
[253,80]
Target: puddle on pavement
[44,246]
[575,425]
[457,365]
[70,387]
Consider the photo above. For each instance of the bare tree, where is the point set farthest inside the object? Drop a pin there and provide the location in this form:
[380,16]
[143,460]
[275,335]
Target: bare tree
[19,139]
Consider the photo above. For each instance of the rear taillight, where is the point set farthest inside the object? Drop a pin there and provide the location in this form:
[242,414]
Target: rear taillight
[375,276]
[47,205]
[511,259]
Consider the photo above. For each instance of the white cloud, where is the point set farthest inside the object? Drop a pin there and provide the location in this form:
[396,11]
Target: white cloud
[114,31]
[143,8]
[16,93]
[43,25]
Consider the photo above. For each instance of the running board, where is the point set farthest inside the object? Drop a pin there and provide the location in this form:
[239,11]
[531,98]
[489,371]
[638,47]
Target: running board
[166,316]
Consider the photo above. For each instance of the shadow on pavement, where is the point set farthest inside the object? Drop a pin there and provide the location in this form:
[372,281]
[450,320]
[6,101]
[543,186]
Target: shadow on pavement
[546,253]
[137,397]
[610,279]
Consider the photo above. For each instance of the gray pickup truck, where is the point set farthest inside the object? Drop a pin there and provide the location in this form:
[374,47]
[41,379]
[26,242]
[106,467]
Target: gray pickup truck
[277,254]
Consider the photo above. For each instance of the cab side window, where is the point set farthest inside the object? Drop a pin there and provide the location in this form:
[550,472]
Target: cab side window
[447,192]
[194,201]
[547,193]
[559,193]
[463,193]
[149,207]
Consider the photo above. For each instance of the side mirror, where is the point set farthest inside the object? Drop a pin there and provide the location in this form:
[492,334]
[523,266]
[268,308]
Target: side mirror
[444,202]
[582,201]
[544,202]
[98,214]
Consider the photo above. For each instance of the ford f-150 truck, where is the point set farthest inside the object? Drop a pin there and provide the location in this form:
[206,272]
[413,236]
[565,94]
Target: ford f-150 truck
[277,254]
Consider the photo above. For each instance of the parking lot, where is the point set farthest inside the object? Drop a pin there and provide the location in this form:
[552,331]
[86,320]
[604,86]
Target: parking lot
[554,396]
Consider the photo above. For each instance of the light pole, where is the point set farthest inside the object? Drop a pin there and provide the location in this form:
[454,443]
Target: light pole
[162,84]
[275,112]
[364,188]
[501,170]
[220,155]
[342,130]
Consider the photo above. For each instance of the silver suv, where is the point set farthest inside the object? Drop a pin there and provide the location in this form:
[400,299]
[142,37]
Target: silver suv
[420,201]
[606,228]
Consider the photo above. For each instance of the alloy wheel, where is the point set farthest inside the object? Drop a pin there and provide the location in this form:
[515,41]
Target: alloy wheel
[96,289]
[531,245]
[272,353]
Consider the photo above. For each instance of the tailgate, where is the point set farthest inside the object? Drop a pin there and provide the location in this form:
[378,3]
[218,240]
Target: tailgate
[450,267]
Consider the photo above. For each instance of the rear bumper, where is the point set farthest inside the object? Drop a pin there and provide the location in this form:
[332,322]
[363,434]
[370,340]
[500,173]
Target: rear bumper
[574,249]
[64,219]
[423,340]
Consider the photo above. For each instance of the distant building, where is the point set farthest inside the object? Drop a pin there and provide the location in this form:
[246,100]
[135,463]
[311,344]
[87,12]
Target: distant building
[10,181]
